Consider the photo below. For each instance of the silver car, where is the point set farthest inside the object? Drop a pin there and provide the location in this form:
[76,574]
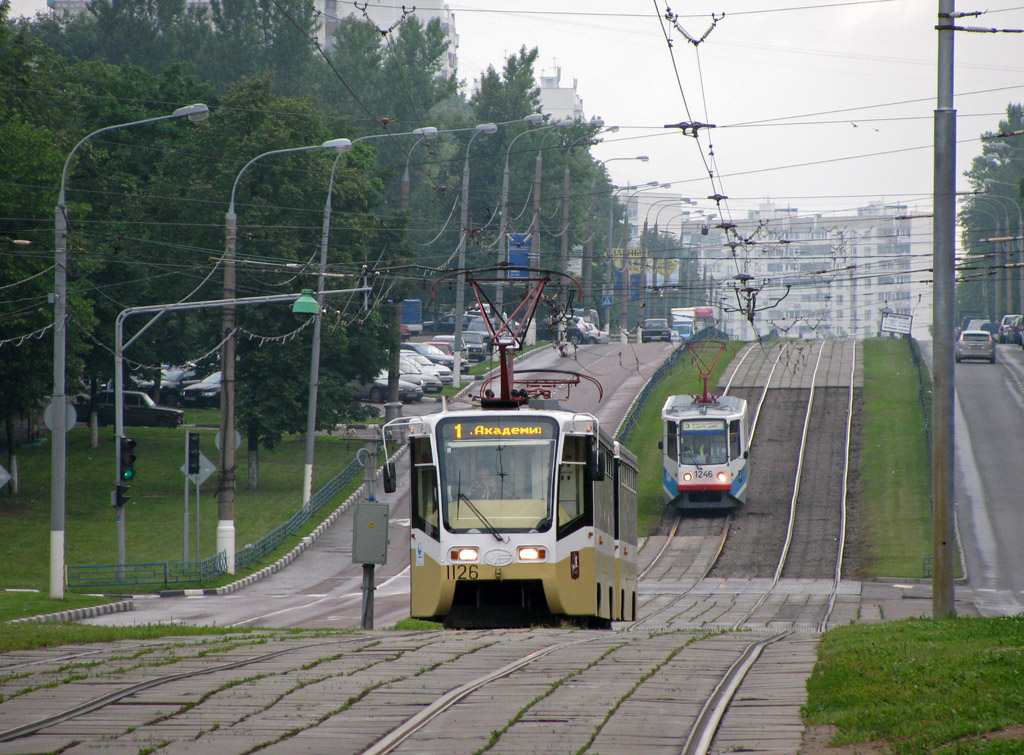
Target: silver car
[413,373]
[975,344]
[444,374]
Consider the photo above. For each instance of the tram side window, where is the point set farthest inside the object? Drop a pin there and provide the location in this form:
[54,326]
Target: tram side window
[572,487]
[734,440]
[671,441]
[424,490]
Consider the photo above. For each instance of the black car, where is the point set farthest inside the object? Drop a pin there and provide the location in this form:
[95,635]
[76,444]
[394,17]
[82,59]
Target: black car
[655,329]
[205,393]
[139,410]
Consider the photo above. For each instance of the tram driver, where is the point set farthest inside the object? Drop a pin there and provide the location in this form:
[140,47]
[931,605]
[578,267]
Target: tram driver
[482,484]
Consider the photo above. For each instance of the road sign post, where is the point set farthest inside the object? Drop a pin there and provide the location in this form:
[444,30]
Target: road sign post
[203,467]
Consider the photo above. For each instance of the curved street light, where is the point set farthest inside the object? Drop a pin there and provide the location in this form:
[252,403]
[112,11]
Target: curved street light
[460,292]
[427,133]
[226,485]
[58,402]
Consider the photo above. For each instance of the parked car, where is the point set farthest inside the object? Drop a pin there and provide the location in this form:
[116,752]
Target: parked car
[173,380]
[376,390]
[975,344]
[204,393]
[139,410]
[442,326]
[443,346]
[655,329]
[415,374]
[443,373]
[1009,328]
[477,345]
[434,352]
[473,344]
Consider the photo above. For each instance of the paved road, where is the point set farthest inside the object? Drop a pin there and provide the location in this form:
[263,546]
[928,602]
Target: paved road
[989,478]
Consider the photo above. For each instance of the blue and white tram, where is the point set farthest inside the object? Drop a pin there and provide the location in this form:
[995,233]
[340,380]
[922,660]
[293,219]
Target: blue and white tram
[704,451]
[519,516]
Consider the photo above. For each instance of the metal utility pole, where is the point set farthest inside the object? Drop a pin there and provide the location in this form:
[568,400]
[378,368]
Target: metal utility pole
[944,252]
[564,257]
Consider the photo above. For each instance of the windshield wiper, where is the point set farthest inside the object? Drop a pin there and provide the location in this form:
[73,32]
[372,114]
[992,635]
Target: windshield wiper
[693,459]
[479,514]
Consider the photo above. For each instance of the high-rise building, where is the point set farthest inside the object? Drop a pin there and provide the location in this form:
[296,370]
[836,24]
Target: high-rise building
[557,101]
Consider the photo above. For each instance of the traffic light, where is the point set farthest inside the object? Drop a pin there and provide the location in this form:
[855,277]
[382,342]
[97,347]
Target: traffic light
[120,495]
[193,453]
[126,460]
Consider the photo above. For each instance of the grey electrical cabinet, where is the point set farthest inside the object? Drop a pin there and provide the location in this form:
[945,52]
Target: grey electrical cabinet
[370,538]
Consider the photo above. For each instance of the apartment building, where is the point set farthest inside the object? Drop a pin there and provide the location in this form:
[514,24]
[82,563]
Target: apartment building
[808,275]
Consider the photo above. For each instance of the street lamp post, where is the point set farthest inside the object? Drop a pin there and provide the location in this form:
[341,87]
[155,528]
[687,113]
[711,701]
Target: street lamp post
[226,484]
[460,284]
[625,264]
[586,269]
[537,175]
[564,256]
[427,132]
[1020,226]
[644,247]
[499,298]
[646,187]
[58,403]
[996,257]
[301,304]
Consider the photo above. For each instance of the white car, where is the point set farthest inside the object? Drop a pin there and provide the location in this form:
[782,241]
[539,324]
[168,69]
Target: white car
[444,374]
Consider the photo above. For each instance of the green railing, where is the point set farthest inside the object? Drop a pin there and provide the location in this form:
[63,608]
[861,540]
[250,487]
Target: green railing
[188,572]
[637,406]
[168,573]
[253,552]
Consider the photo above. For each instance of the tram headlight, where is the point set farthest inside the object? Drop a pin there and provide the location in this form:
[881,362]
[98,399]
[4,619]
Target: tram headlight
[464,554]
[531,553]
[687,476]
[723,477]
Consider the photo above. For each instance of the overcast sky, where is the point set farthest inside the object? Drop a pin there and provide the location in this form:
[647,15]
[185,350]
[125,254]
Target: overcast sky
[819,106]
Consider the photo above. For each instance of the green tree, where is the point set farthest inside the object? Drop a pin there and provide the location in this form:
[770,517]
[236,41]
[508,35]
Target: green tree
[996,177]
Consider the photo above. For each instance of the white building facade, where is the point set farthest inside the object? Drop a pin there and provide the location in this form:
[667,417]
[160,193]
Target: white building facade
[814,275]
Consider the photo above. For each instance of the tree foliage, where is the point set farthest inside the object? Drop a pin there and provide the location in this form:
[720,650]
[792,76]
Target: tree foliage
[146,204]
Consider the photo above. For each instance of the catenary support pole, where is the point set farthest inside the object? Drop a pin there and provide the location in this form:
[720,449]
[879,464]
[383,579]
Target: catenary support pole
[944,239]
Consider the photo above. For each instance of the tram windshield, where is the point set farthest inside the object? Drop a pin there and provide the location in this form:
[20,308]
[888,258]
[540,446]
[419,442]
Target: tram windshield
[703,441]
[496,472]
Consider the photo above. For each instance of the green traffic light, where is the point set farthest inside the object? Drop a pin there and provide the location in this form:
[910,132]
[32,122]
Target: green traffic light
[128,474]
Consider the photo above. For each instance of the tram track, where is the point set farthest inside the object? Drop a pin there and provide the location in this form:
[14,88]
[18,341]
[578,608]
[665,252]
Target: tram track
[816,512]
[445,691]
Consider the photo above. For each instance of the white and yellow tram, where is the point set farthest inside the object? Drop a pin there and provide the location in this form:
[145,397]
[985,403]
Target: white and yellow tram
[704,451]
[518,516]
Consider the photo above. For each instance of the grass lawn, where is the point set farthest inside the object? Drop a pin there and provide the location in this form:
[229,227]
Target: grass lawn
[922,686]
[896,490]
[154,514]
[643,438]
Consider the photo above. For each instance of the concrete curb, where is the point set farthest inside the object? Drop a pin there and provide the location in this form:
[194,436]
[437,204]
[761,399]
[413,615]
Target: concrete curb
[77,614]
